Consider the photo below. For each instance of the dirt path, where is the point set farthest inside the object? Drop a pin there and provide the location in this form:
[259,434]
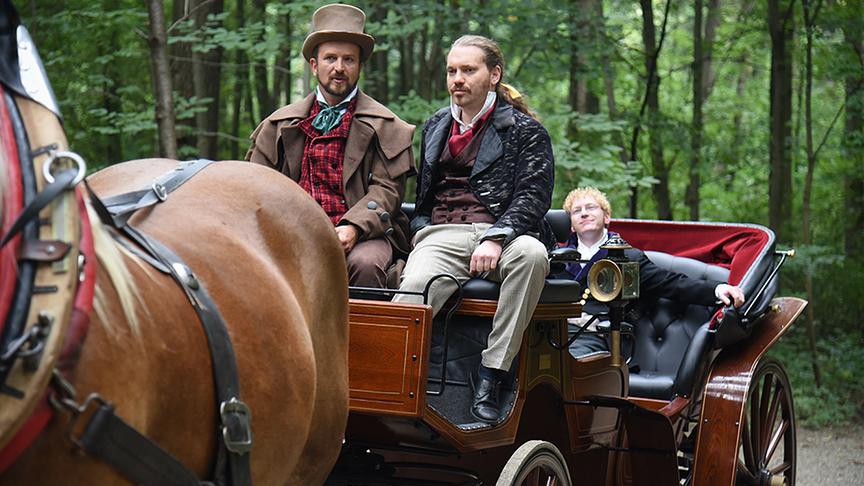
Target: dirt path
[831,457]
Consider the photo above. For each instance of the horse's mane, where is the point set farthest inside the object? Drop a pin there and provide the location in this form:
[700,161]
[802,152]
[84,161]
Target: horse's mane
[111,258]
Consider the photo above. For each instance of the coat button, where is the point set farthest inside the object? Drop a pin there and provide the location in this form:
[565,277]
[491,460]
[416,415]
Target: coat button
[341,201]
[372,205]
[385,216]
[388,231]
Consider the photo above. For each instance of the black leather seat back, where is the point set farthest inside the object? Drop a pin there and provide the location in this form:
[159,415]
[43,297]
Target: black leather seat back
[666,331]
[560,222]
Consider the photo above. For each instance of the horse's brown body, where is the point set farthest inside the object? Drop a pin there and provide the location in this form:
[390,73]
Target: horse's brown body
[270,259]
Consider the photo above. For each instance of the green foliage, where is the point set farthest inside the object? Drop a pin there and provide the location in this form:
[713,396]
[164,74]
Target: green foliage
[592,158]
[840,399]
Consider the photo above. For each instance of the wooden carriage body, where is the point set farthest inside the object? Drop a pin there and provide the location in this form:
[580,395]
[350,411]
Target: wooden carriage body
[606,432]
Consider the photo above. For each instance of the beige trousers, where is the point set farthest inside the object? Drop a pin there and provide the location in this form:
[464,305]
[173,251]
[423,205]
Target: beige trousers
[521,270]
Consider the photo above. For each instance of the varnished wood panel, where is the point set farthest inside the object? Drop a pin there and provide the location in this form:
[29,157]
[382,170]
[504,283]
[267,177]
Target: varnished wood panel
[388,357]
[726,393]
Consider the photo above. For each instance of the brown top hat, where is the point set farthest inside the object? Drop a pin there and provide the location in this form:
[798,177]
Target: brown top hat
[338,22]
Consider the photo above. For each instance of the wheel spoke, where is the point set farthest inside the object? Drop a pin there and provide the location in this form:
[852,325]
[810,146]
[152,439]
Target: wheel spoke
[764,404]
[534,478]
[781,468]
[755,422]
[745,472]
[778,434]
[746,442]
[772,416]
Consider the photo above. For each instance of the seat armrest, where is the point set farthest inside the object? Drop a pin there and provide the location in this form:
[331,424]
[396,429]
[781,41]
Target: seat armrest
[559,257]
[565,254]
[694,361]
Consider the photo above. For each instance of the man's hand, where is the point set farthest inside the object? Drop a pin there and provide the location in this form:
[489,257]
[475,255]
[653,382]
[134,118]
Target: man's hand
[485,257]
[729,294]
[347,234]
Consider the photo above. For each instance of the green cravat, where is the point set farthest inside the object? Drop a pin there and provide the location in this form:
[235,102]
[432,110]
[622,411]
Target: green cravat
[329,117]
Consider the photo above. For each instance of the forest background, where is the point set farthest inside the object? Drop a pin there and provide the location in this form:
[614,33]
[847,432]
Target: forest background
[715,110]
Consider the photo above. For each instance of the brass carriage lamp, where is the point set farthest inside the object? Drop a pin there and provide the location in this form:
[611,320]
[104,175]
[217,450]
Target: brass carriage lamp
[614,280]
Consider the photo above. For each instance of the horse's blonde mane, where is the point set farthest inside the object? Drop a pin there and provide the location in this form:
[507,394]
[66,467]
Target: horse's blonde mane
[112,257]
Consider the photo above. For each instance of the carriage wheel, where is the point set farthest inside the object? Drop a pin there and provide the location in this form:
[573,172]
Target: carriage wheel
[766,451]
[535,463]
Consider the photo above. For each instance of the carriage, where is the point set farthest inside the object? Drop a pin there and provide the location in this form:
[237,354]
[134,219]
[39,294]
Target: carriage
[685,394]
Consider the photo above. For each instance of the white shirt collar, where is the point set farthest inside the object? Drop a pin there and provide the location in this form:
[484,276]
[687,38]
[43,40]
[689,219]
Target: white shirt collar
[321,99]
[588,252]
[456,112]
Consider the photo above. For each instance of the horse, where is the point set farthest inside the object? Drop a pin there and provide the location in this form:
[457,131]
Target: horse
[269,257]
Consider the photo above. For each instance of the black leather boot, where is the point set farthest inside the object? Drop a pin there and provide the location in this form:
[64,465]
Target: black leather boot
[485,406]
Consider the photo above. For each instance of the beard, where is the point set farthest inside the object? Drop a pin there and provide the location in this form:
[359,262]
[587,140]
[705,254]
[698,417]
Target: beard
[337,91]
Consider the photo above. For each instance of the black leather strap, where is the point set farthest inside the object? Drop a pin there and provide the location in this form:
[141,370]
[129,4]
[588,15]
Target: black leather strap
[52,191]
[124,205]
[138,458]
[235,436]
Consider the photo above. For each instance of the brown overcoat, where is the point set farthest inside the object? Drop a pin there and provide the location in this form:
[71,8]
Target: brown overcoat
[378,160]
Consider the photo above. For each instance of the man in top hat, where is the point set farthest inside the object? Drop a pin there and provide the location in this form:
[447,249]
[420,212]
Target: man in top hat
[345,149]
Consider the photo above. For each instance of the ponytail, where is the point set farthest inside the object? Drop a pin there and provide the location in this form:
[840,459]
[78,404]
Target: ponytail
[511,95]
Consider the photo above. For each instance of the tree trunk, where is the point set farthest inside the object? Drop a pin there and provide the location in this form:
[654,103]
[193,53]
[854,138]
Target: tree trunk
[423,77]
[692,196]
[282,66]
[208,83]
[241,73]
[375,72]
[729,170]
[808,183]
[111,101]
[266,104]
[609,81]
[183,77]
[162,80]
[652,101]
[853,136]
[582,41]
[781,26]
[407,64]
[711,24]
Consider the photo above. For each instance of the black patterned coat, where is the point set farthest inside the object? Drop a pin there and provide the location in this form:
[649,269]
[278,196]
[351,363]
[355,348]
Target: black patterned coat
[513,175]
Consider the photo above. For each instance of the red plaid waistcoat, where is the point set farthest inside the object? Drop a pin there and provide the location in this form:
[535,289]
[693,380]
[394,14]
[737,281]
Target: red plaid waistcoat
[323,155]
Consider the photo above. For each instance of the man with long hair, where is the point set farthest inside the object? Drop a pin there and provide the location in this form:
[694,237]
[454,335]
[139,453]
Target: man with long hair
[485,184]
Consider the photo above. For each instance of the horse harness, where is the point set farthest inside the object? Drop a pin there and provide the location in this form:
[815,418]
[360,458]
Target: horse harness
[106,435]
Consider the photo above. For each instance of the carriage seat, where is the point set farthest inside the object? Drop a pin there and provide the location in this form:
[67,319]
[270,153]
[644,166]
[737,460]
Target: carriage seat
[671,340]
